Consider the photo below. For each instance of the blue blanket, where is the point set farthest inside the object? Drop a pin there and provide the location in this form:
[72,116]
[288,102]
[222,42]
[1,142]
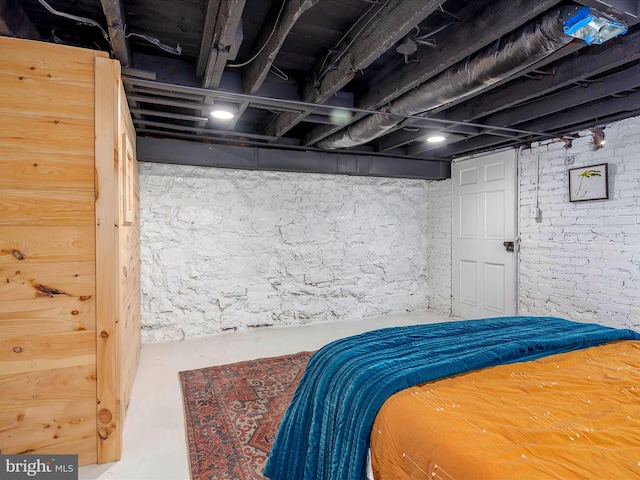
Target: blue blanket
[324,434]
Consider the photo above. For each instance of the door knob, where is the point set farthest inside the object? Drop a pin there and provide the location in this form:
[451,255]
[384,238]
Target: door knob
[509,246]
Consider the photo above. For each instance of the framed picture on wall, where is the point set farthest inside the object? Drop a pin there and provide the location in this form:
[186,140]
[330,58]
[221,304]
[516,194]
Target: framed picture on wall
[588,183]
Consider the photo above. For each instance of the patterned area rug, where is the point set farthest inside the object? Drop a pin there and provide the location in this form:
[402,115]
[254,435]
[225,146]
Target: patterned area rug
[233,413]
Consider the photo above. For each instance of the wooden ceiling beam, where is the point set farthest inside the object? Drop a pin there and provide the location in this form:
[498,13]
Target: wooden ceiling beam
[394,140]
[14,22]
[587,113]
[626,10]
[502,104]
[207,42]
[462,40]
[538,113]
[491,23]
[568,120]
[393,21]
[579,95]
[459,149]
[181,73]
[116,23]
[592,61]
[279,22]
[404,136]
[225,38]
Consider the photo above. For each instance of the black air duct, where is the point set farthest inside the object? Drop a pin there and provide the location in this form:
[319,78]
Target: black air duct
[498,61]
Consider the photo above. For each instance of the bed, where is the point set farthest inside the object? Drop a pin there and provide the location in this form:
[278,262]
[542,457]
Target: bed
[574,415]
[440,402]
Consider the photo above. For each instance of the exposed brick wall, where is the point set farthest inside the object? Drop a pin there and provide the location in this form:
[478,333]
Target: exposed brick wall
[230,250]
[582,260]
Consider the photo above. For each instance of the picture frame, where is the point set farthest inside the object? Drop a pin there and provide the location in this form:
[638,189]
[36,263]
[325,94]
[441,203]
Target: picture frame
[589,183]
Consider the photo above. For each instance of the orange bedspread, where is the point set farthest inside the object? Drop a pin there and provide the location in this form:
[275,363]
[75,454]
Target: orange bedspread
[570,416]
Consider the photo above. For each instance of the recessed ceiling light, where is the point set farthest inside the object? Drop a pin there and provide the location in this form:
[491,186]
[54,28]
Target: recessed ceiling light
[222,114]
[436,138]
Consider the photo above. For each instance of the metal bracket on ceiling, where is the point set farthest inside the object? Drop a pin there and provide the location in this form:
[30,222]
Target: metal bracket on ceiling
[539,74]
[584,83]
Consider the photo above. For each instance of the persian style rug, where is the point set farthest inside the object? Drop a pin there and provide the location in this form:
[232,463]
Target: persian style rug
[233,413]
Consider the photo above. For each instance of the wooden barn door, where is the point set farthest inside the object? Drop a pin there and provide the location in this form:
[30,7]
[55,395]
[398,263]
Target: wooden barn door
[47,250]
[117,258]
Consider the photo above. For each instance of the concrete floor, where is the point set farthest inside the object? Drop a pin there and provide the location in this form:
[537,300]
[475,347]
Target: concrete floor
[154,432]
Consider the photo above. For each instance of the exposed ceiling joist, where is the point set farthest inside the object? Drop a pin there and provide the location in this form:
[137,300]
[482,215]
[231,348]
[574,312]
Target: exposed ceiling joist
[604,87]
[394,20]
[522,92]
[553,109]
[567,120]
[207,41]
[158,113]
[600,109]
[346,61]
[467,146]
[460,41]
[492,22]
[114,13]
[177,72]
[592,62]
[14,22]
[282,17]
[625,10]
[213,136]
[398,139]
[154,100]
[410,133]
[227,35]
[196,100]
[201,130]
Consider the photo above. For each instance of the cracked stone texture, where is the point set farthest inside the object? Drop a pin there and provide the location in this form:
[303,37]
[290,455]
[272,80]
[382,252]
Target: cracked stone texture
[225,250]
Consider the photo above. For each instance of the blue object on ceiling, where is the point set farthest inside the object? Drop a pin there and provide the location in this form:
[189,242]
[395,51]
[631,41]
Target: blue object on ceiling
[593,27]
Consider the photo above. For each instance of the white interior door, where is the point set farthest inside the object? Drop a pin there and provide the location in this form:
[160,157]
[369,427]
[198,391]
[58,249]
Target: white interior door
[484,270]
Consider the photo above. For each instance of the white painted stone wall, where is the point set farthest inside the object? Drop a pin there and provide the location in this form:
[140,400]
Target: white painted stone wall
[229,249]
[582,260]
[439,228]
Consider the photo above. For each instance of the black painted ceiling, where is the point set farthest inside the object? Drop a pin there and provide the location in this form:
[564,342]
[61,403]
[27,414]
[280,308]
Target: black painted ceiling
[299,73]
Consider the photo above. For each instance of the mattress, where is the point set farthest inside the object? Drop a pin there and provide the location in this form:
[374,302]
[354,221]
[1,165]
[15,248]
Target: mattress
[572,415]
